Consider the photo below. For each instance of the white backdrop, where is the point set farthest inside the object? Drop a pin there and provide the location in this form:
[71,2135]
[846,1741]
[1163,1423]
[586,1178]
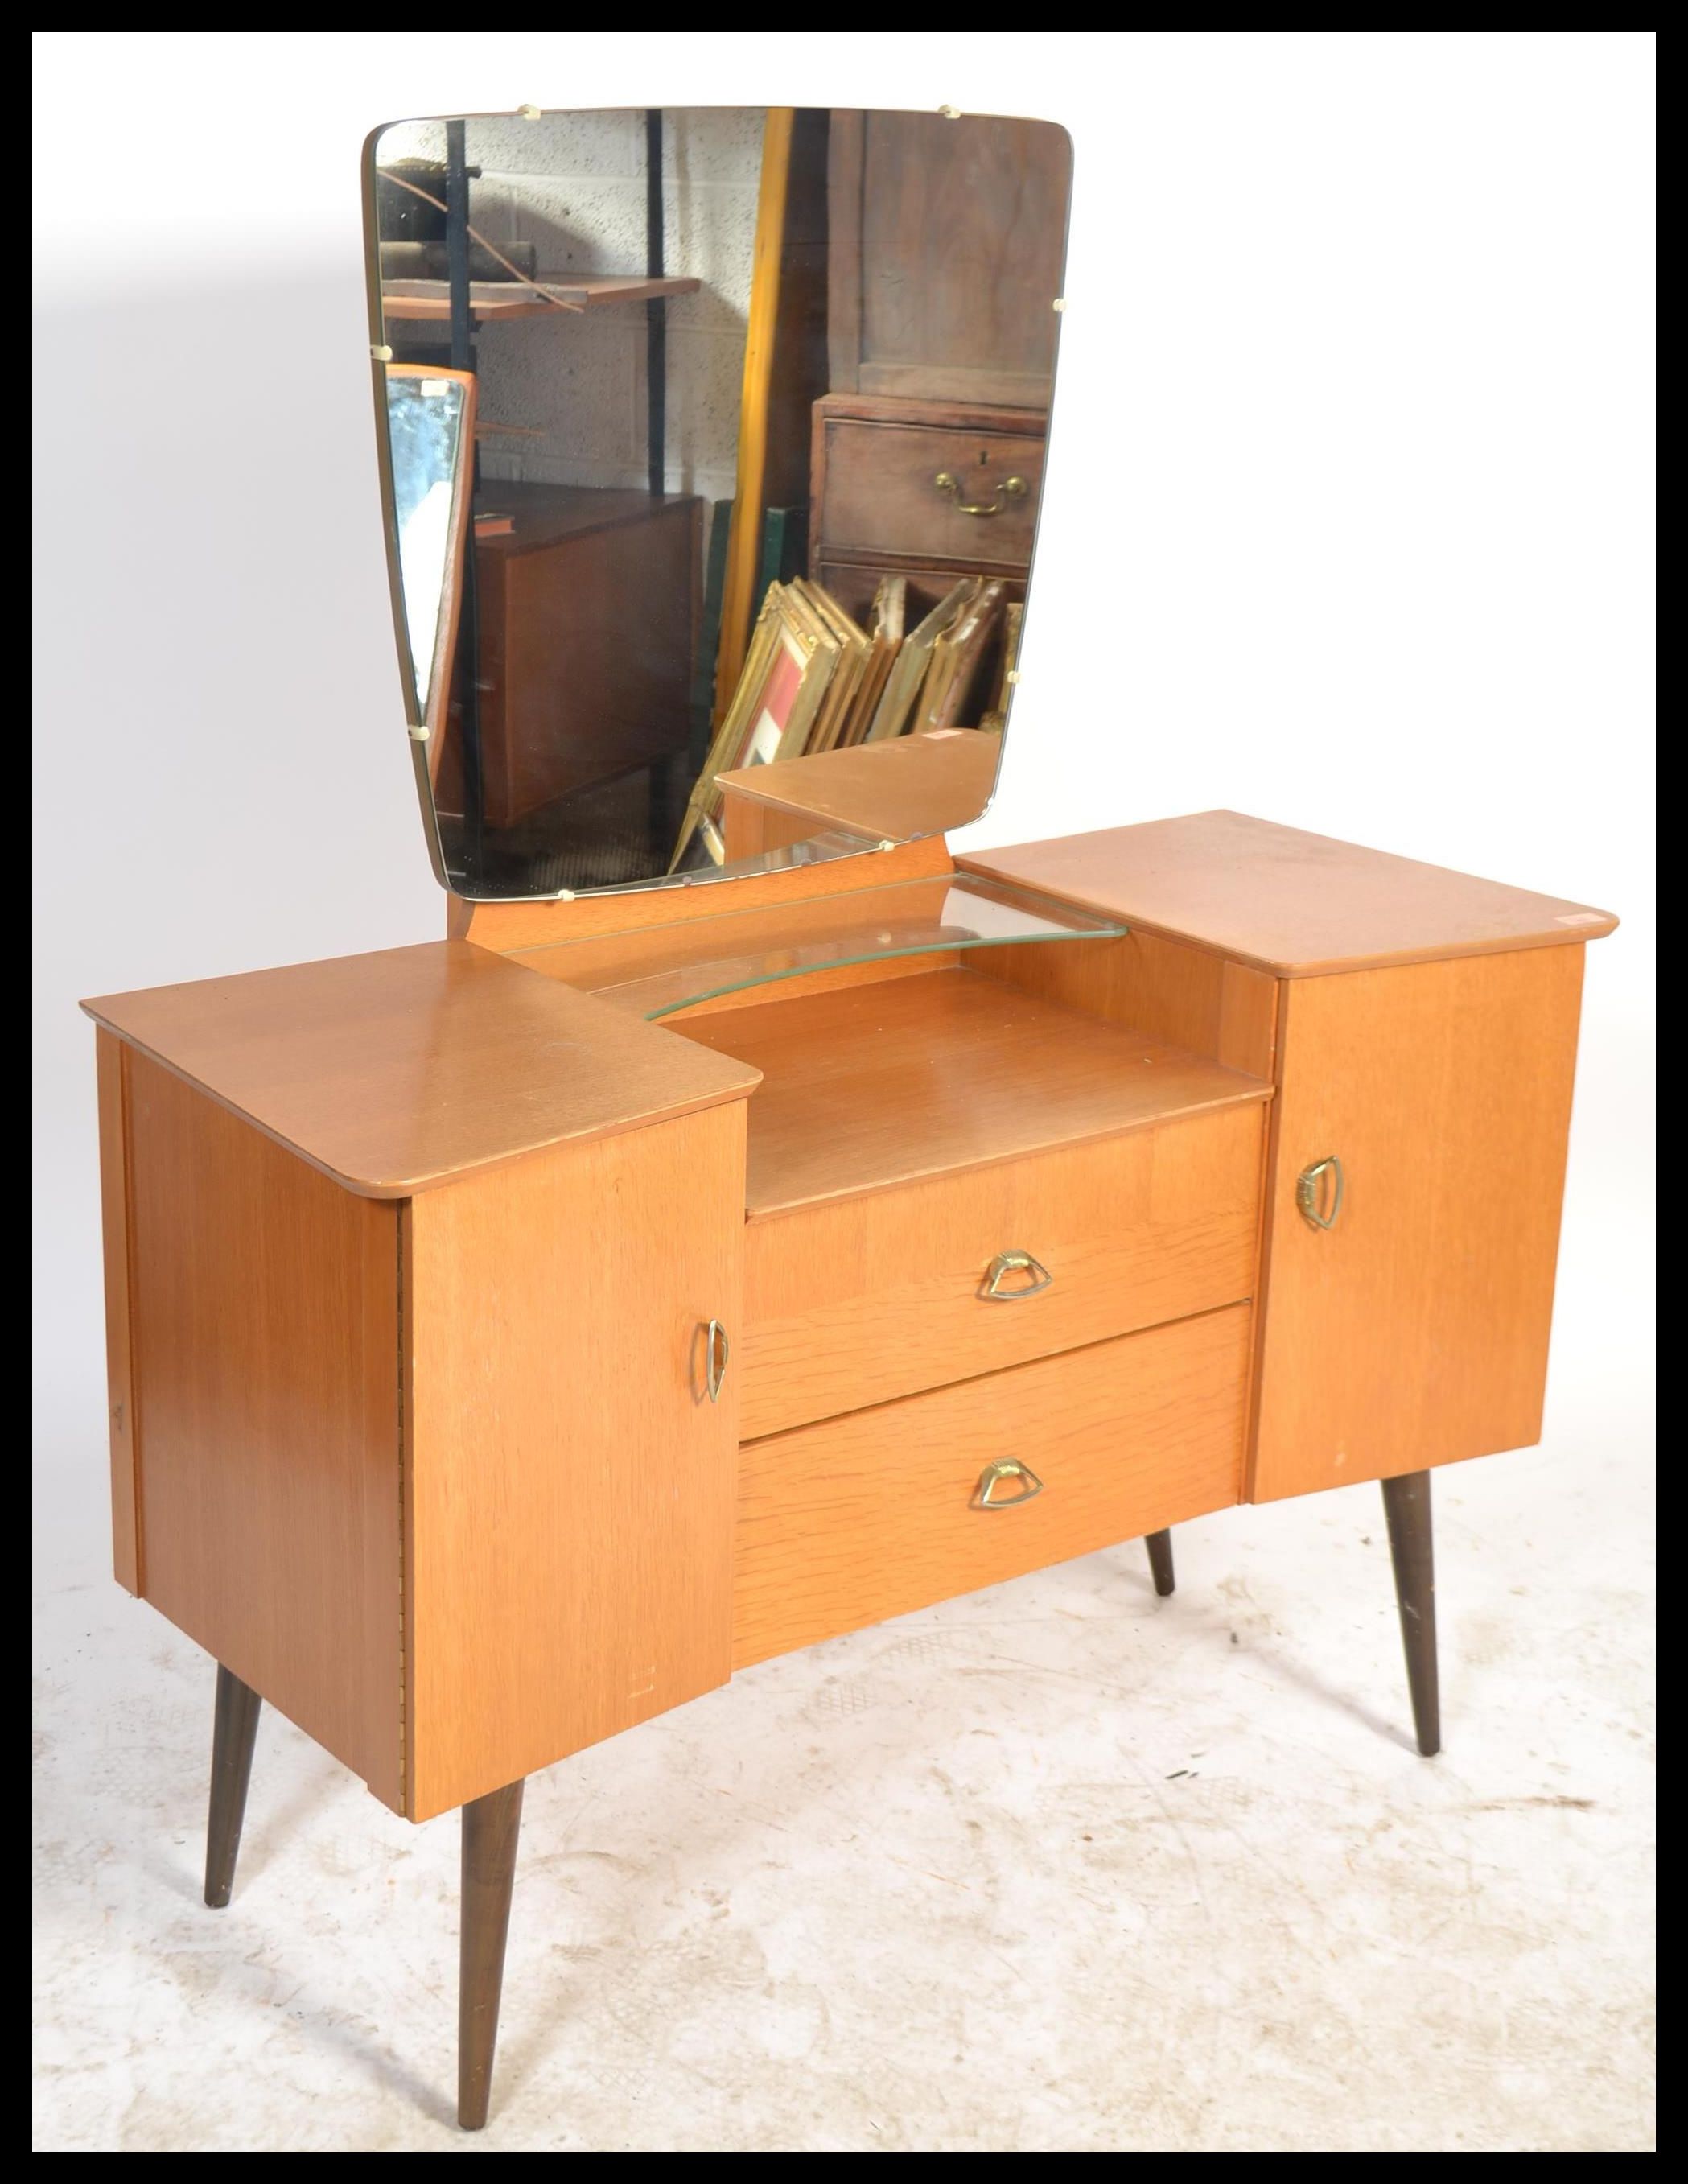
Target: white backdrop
[1348,520]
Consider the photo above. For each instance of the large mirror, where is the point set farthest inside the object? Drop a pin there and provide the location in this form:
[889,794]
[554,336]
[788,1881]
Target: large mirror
[714,445]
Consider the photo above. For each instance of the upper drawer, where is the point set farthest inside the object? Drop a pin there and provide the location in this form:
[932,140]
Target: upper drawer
[877,491]
[863,1299]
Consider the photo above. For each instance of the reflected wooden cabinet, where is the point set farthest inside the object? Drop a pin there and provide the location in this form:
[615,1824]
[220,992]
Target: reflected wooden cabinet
[567,700]
[946,259]
[492,1369]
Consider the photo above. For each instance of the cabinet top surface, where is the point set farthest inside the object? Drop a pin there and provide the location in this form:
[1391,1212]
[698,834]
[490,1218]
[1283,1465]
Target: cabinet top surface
[543,515]
[392,1072]
[882,1084]
[1295,904]
[910,785]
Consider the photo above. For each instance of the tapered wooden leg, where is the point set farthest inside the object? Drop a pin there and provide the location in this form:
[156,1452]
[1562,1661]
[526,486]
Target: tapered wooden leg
[1160,1546]
[233,1737]
[1407,1504]
[492,1827]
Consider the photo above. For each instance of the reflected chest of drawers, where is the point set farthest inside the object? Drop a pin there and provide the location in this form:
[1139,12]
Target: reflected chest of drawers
[511,1336]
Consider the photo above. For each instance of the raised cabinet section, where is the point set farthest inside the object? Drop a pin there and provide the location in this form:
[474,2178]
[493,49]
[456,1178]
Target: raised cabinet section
[874,1296]
[568,1481]
[880,1512]
[413,1261]
[261,1344]
[1405,1323]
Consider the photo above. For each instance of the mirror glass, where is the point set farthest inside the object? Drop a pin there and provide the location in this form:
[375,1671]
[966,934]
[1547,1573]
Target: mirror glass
[715,445]
[426,415]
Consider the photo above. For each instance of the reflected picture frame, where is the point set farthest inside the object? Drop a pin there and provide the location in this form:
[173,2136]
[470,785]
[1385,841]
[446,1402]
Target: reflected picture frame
[787,669]
[428,703]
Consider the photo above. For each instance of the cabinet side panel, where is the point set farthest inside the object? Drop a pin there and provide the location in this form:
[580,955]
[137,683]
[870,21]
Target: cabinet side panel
[266,1356]
[569,1501]
[1414,1332]
[126,1542]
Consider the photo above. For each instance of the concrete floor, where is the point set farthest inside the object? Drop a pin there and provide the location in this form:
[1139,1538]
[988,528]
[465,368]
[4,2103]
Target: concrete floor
[1060,1865]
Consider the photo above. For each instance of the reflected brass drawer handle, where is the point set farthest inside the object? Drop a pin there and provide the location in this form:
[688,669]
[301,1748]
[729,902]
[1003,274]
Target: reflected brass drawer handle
[1310,1195]
[992,1477]
[1014,1262]
[946,481]
[716,1351]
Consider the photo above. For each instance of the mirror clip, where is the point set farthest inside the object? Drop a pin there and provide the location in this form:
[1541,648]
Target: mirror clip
[380,354]
[418,732]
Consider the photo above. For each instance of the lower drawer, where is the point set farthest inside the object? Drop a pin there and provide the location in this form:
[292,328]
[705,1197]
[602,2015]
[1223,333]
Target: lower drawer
[865,1298]
[878,1513]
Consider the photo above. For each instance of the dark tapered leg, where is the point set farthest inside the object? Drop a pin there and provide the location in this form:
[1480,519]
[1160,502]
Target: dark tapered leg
[232,1738]
[1160,1546]
[491,1828]
[1407,1504]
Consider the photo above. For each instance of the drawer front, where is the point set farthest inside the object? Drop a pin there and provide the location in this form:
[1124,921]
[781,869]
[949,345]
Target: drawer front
[880,1295]
[876,1514]
[880,492]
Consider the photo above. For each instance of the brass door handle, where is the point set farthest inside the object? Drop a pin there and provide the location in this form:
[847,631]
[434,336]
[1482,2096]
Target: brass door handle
[946,481]
[1014,1262]
[991,1477]
[1310,1195]
[716,1351]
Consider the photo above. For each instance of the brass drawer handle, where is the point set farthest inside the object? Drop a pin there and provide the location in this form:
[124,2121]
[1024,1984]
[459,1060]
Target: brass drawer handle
[947,483]
[1310,1195]
[992,1476]
[1014,1262]
[716,1351]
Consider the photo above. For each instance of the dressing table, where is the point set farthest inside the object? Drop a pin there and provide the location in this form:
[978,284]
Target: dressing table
[512,1336]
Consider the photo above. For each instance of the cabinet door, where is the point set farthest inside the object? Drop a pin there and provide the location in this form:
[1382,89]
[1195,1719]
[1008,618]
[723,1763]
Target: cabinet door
[1413,1330]
[946,255]
[569,1482]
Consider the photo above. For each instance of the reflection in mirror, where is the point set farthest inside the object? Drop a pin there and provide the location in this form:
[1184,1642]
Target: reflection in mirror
[757,402]
[429,421]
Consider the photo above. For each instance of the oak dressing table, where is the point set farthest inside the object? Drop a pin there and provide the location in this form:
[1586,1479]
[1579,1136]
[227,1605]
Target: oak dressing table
[511,1336]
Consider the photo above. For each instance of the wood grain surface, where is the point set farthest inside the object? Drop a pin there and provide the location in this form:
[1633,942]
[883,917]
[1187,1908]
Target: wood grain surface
[873,1297]
[1297,904]
[264,1307]
[602,966]
[114,1126]
[869,1515]
[1186,995]
[879,495]
[509,927]
[569,1486]
[946,251]
[905,787]
[1415,1332]
[393,1072]
[885,1085]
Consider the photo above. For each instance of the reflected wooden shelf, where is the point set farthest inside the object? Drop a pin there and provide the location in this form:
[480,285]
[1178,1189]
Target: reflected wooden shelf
[509,299]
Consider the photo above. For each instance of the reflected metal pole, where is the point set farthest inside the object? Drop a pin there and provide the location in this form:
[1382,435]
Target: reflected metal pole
[468,641]
[656,309]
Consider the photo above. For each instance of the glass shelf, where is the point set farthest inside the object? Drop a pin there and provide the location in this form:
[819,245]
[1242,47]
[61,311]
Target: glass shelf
[914,917]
